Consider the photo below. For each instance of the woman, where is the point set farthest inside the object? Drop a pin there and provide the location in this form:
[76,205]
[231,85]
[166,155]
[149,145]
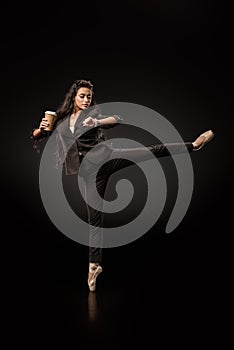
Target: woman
[79,127]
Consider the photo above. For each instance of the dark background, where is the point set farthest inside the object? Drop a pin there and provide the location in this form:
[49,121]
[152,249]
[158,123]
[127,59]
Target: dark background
[173,57]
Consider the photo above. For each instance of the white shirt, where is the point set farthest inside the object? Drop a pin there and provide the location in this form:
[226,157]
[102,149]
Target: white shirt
[72,129]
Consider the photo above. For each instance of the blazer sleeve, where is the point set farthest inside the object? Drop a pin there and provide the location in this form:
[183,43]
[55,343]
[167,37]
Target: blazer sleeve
[38,143]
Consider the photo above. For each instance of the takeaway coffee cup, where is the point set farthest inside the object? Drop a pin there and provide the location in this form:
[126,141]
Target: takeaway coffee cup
[51,117]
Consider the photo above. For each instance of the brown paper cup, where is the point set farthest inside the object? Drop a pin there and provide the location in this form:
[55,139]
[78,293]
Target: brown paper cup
[51,117]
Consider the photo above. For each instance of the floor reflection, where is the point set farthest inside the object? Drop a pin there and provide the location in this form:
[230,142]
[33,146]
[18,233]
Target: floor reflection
[92,306]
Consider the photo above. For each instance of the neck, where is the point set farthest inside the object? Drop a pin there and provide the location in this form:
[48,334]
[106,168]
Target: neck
[76,112]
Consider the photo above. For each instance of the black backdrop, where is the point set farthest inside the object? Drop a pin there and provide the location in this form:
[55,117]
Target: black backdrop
[175,58]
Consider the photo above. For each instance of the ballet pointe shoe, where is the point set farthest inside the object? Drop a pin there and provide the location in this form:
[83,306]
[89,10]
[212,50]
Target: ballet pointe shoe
[94,269]
[202,140]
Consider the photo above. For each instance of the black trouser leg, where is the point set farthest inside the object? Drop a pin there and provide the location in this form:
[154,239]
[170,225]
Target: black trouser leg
[94,200]
[99,178]
[140,154]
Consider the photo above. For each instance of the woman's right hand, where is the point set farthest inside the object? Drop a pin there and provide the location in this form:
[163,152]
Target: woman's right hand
[43,124]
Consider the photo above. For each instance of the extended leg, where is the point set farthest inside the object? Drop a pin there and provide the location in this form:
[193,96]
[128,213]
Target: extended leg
[124,157]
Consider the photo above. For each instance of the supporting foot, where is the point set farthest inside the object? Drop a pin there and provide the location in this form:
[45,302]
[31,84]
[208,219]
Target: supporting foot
[94,270]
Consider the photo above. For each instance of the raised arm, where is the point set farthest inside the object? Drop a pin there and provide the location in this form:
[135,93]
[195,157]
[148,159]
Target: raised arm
[103,121]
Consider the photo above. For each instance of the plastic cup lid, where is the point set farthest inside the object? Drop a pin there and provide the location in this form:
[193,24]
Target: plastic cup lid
[51,112]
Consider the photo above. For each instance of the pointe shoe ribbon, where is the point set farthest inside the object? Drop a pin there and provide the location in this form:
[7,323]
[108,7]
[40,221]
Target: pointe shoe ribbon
[203,139]
[95,270]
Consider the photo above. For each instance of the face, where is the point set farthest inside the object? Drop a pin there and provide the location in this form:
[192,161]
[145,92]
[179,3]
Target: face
[83,98]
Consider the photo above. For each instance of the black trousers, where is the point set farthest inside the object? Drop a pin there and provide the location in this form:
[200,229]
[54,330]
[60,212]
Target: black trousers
[100,179]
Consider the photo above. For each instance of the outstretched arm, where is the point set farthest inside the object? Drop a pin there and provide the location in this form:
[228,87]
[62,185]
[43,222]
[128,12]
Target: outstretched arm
[102,121]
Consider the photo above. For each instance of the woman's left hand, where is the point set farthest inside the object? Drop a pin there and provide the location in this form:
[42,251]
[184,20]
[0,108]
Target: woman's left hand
[90,121]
